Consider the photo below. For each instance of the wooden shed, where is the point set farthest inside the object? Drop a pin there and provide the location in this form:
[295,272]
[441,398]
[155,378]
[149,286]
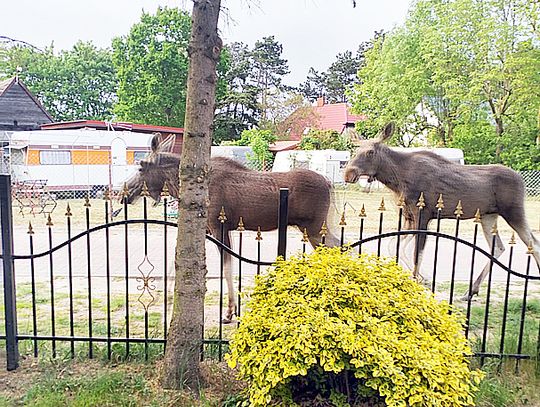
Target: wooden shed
[19,108]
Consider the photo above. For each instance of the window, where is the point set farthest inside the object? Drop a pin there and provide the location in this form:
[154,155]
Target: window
[54,157]
[138,156]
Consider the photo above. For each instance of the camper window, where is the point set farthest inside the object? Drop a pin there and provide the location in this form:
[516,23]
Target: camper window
[54,157]
[138,156]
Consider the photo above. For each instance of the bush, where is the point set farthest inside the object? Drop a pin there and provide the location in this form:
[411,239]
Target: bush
[332,328]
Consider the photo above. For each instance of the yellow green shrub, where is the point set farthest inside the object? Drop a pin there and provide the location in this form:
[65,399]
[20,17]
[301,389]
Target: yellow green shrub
[346,329]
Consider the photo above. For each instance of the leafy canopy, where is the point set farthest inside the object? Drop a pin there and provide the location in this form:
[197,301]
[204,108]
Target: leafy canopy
[74,84]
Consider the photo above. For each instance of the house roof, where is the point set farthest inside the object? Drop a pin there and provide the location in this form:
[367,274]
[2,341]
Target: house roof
[6,84]
[322,116]
[119,126]
[335,116]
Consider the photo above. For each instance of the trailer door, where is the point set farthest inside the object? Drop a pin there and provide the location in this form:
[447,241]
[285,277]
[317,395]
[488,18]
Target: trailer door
[119,170]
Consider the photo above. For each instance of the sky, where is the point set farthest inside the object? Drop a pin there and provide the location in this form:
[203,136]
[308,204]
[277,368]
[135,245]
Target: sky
[312,32]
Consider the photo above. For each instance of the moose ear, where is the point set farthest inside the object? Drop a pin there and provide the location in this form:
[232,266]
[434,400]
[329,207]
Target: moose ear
[156,141]
[167,144]
[387,132]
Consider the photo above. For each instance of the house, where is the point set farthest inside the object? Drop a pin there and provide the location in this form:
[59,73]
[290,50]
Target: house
[322,116]
[19,108]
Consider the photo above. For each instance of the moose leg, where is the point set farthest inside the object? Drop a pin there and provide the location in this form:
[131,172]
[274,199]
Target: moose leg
[405,242]
[227,272]
[525,234]
[419,249]
[488,222]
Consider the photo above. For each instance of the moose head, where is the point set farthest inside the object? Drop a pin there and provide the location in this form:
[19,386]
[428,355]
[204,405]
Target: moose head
[369,156]
[158,168]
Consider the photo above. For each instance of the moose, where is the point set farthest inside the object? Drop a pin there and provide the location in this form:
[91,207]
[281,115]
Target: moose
[242,192]
[492,190]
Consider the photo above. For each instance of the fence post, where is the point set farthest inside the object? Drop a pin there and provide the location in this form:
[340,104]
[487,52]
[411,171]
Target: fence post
[283,221]
[10,310]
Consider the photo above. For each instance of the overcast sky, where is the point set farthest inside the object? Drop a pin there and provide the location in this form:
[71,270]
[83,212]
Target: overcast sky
[312,32]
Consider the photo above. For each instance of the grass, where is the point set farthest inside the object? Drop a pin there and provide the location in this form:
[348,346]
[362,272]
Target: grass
[93,383]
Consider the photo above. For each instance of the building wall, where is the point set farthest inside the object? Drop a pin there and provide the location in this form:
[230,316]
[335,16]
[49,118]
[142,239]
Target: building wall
[18,111]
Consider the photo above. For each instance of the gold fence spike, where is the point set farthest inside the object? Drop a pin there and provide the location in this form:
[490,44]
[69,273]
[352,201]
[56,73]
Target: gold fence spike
[144,191]
[49,221]
[324,229]
[87,202]
[30,228]
[494,230]
[381,206]
[107,195]
[342,221]
[165,190]
[305,236]
[459,210]
[241,227]
[512,239]
[440,203]
[259,235]
[477,217]
[421,201]
[222,218]
[68,211]
[125,191]
[530,248]
[401,201]
[362,213]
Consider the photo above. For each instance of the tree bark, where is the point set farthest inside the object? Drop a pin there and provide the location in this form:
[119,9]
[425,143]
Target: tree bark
[184,341]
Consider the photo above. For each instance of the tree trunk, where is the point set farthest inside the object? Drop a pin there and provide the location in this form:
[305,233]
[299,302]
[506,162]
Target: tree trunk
[184,341]
[499,130]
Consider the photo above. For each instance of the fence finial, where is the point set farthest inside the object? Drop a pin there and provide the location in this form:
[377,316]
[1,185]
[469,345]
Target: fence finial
[144,192]
[107,195]
[222,218]
[342,221]
[440,203]
[241,227]
[477,216]
[530,248]
[305,236]
[49,221]
[421,201]
[362,213]
[68,211]
[459,210]
[381,206]
[87,201]
[401,201]
[512,239]
[165,190]
[494,230]
[259,235]
[324,229]
[30,228]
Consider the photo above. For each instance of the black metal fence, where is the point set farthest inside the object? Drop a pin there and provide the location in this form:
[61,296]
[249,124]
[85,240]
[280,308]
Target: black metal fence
[101,288]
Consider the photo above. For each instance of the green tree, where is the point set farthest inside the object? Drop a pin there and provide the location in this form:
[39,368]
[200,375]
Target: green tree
[259,141]
[152,65]
[456,65]
[237,108]
[75,84]
[268,69]
[325,139]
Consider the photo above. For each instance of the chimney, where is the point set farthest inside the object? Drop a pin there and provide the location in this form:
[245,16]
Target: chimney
[320,101]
